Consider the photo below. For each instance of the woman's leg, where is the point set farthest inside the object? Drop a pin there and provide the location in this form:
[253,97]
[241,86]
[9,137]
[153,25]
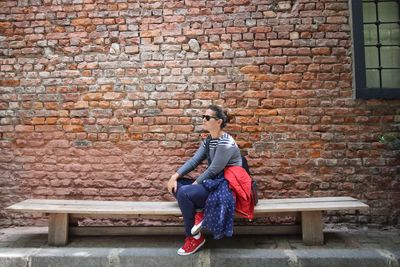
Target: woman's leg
[190,198]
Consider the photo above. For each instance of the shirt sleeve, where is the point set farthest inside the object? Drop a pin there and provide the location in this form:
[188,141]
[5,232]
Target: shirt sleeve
[195,161]
[221,158]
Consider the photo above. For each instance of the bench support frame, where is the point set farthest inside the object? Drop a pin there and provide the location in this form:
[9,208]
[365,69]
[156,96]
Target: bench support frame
[312,228]
[58,229]
[64,215]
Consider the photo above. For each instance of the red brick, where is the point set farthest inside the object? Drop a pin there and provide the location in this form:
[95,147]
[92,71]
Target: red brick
[216,55]
[113,96]
[276,60]
[207,95]
[73,128]
[81,22]
[193,32]
[24,128]
[266,112]
[337,20]
[321,51]
[217,31]
[299,60]
[280,93]
[174,18]
[261,44]
[250,69]
[132,49]
[239,2]
[291,77]
[6,128]
[281,43]
[38,120]
[4,82]
[260,29]
[182,128]
[92,96]
[236,29]
[263,77]
[148,33]
[255,94]
[46,128]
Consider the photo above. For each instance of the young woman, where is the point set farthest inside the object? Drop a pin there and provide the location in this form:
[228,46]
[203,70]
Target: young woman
[192,196]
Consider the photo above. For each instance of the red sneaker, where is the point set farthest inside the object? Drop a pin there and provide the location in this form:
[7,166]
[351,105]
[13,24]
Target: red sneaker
[191,245]
[198,221]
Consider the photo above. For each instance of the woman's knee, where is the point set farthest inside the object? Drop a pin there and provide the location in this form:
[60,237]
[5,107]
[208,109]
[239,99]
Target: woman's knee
[182,193]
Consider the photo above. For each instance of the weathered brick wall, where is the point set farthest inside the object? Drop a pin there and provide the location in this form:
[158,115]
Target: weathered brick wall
[102,100]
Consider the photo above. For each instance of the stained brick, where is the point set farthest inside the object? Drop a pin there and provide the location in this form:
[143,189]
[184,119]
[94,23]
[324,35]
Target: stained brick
[280,43]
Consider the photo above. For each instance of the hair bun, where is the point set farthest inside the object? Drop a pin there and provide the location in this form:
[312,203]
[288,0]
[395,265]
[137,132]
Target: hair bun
[228,117]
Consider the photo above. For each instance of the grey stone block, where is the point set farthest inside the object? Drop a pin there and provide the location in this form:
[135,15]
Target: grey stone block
[15,257]
[340,257]
[249,257]
[395,256]
[149,257]
[70,257]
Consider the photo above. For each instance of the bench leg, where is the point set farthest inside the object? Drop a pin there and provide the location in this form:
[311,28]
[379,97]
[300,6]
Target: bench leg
[311,226]
[58,229]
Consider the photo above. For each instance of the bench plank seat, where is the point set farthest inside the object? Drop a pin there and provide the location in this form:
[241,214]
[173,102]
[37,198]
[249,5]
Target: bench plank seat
[309,211]
[172,209]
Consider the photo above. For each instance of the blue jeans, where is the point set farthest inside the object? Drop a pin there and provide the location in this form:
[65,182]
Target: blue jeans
[190,198]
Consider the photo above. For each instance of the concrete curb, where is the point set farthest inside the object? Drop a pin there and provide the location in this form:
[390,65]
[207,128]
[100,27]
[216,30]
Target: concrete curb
[116,257]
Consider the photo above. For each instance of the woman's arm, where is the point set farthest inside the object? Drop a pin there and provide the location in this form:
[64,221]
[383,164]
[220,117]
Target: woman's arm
[221,158]
[189,165]
[195,161]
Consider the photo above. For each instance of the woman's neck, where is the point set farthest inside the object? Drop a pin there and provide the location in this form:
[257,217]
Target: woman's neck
[216,133]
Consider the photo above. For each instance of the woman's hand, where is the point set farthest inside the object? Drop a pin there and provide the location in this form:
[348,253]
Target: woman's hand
[172,184]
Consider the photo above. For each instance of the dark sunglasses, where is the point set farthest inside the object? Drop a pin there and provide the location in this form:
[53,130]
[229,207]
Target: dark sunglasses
[208,117]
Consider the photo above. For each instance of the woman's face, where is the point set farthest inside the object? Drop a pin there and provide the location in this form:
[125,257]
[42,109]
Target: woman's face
[210,121]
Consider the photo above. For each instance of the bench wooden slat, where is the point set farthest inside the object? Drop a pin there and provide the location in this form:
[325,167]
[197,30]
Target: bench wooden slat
[178,230]
[100,207]
[171,208]
[75,216]
[307,200]
[310,206]
[117,203]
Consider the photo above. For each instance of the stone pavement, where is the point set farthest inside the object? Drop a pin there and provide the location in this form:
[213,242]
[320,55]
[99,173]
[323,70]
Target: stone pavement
[358,247]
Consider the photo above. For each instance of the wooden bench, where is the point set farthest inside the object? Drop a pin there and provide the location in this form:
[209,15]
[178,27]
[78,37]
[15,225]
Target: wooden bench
[307,211]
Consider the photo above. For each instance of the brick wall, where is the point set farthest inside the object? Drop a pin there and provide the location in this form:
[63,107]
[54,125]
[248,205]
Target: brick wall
[102,100]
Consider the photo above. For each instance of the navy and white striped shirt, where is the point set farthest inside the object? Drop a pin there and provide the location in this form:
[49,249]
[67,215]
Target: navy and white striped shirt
[223,152]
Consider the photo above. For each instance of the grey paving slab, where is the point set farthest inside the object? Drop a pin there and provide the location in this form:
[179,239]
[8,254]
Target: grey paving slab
[71,257]
[15,257]
[250,257]
[340,257]
[396,255]
[27,246]
[156,257]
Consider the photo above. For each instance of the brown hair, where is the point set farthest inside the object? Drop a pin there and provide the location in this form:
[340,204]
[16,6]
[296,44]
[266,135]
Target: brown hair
[220,113]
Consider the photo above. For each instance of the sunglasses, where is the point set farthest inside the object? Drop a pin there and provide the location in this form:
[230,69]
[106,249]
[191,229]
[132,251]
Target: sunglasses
[208,117]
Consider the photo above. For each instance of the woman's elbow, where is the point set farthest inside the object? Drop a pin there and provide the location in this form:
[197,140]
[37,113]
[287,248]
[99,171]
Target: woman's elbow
[214,172]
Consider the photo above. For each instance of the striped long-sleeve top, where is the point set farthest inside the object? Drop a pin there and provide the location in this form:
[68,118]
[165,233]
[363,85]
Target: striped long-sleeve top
[223,152]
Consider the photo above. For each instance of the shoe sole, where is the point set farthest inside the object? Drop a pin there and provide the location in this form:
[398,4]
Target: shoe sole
[196,229]
[189,253]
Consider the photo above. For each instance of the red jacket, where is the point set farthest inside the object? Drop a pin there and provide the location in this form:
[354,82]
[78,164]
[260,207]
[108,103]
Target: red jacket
[240,184]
